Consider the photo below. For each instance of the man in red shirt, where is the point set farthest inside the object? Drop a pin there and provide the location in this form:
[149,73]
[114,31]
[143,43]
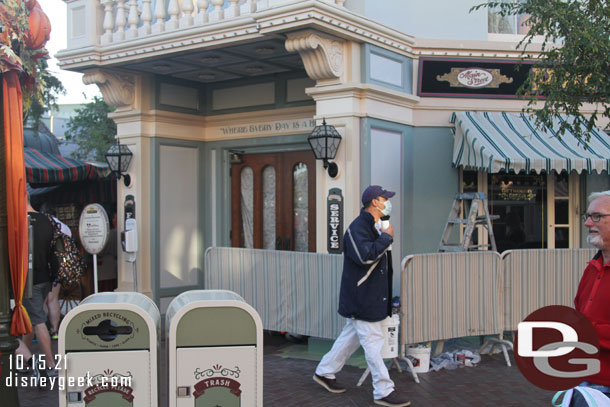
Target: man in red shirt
[593,298]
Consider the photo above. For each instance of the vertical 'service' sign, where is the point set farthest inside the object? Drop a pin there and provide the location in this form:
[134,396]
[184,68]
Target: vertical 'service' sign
[335,221]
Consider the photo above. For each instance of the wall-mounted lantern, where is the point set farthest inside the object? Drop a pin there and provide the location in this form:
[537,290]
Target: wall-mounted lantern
[118,158]
[324,141]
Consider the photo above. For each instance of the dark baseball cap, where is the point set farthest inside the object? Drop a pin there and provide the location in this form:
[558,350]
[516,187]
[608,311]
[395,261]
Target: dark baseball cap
[374,191]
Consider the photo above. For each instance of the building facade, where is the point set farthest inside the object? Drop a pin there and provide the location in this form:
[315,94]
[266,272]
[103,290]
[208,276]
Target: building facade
[216,100]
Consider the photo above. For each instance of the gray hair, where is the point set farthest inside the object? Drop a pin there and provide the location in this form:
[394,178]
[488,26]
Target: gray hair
[596,195]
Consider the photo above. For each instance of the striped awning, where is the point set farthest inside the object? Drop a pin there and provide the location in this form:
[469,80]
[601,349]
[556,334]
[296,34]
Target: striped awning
[50,169]
[495,141]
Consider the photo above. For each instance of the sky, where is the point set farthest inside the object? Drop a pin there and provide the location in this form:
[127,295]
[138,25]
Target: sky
[56,11]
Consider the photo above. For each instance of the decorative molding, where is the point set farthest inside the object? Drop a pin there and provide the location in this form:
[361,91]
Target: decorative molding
[322,54]
[118,88]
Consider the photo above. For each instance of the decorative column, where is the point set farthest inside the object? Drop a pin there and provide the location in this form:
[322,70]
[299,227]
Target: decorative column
[187,13]
[133,19]
[108,22]
[160,14]
[173,8]
[233,10]
[324,57]
[202,12]
[146,18]
[124,91]
[218,13]
[121,21]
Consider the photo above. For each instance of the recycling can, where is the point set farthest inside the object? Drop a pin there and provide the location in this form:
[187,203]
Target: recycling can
[108,350]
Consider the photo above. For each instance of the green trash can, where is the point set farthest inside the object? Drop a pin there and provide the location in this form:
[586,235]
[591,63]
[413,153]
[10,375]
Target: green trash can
[215,350]
[109,344]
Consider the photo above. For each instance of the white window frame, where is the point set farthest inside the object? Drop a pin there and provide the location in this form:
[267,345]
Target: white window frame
[573,224]
[573,205]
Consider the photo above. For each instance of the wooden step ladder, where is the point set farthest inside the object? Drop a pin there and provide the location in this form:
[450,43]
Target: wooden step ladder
[456,217]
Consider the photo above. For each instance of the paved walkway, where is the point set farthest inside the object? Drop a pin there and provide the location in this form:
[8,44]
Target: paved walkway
[287,382]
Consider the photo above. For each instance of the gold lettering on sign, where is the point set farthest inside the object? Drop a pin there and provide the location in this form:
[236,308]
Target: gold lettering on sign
[474,78]
[275,127]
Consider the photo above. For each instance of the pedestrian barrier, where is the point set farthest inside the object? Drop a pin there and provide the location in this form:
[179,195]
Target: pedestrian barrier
[291,291]
[452,295]
[444,295]
[539,277]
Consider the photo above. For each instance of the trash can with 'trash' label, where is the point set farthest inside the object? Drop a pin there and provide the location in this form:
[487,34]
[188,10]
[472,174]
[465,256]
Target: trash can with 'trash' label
[215,350]
[109,344]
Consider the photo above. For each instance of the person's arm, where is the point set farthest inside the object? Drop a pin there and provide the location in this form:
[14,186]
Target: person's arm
[601,327]
[362,249]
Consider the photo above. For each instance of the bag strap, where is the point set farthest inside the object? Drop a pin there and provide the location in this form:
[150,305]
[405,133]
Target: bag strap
[56,231]
[567,396]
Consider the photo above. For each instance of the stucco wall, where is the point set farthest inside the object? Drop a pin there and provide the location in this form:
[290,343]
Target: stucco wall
[423,19]
[430,189]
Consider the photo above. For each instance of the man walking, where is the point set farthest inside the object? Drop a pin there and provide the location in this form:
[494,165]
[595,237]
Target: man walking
[592,297]
[43,236]
[365,298]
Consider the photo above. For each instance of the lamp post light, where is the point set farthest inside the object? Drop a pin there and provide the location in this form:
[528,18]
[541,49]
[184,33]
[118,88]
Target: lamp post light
[118,158]
[324,141]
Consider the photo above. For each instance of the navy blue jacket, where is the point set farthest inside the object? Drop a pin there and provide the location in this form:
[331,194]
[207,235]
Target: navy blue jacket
[366,283]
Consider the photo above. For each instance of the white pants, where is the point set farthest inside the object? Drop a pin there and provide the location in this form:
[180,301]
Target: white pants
[370,336]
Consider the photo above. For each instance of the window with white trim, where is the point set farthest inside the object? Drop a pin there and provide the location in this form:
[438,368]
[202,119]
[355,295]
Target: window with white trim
[511,24]
[535,210]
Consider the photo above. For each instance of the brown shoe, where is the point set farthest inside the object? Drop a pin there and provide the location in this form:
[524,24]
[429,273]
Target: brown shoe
[393,399]
[329,384]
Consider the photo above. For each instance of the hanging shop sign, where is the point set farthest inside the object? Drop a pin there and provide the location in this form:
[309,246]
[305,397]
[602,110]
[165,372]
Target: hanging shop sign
[335,221]
[469,77]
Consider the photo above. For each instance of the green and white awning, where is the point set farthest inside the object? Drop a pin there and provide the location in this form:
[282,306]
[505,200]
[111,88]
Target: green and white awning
[495,141]
[48,169]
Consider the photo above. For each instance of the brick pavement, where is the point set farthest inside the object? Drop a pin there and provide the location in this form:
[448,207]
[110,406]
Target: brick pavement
[287,382]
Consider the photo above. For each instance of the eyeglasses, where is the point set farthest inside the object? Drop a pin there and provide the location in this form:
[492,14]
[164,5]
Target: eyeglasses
[595,217]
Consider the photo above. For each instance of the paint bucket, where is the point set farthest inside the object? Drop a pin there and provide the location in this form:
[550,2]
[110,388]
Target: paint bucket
[390,331]
[420,356]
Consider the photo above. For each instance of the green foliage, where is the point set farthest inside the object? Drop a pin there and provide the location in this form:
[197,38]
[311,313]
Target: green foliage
[51,88]
[573,67]
[15,55]
[92,130]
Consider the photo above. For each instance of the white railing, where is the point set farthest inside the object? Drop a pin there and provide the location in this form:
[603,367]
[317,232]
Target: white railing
[131,19]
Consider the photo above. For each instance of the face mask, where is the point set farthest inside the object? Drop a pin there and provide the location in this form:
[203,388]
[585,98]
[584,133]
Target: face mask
[388,208]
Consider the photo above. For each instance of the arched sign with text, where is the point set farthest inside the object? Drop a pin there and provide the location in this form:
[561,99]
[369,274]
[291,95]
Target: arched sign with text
[93,228]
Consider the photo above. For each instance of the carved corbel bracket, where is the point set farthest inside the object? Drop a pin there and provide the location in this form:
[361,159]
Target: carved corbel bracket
[118,88]
[321,53]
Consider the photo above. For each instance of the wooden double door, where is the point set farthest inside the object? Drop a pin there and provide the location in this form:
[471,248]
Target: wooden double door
[273,201]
